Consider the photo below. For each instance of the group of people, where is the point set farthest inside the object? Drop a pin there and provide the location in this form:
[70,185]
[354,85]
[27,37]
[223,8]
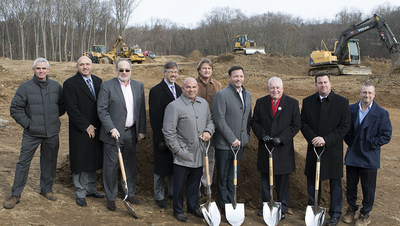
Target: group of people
[184,120]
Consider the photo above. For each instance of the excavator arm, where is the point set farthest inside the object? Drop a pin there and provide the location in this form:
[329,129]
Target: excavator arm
[385,34]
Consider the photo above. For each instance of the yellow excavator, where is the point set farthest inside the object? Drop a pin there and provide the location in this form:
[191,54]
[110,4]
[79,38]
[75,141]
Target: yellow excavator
[345,58]
[244,45]
[99,55]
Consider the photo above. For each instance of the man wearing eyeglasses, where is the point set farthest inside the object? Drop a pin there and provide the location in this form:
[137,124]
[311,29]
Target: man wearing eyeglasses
[37,106]
[159,97]
[121,109]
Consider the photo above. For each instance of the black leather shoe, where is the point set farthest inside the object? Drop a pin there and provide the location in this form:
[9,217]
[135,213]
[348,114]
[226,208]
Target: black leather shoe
[81,201]
[332,221]
[133,200]
[260,213]
[181,217]
[197,213]
[162,204]
[283,216]
[97,195]
[111,205]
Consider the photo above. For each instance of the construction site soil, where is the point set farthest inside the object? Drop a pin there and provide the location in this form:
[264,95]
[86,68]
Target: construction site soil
[36,210]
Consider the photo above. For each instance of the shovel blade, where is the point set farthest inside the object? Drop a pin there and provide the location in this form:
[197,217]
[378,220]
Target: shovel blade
[315,216]
[130,209]
[234,216]
[211,213]
[272,213]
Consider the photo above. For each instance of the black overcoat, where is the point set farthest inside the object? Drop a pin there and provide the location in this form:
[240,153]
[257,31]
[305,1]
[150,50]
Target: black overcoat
[285,125]
[85,153]
[330,120]
[159,97]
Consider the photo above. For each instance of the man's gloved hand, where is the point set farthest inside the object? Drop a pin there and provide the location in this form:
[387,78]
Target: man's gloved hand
[162,146]
[276,141]
[267,139]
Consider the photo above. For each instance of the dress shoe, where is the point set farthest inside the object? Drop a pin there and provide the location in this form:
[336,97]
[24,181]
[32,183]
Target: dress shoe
[97,195]
[283,216]
[111,205]
[49,195]
[196,212]
[133,200]
[162,204]
[332,221]
[81,201]
[11,202]
[181,217]
[260,213]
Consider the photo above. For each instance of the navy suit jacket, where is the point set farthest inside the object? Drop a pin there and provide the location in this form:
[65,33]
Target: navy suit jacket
[365,140]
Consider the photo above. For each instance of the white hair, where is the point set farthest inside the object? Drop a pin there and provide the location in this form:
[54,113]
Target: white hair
[40,59]
[275,79]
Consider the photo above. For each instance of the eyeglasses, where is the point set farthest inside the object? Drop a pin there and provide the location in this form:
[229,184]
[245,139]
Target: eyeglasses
[126,70]
[172,72]
[41,68]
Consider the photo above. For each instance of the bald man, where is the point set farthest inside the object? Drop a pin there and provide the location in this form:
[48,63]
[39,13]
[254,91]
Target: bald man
[85,148]
[187,122]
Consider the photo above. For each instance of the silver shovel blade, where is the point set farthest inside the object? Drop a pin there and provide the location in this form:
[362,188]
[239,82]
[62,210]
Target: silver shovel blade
[211,215]
[272,213]
[315,216]
[130,208]
[235,217]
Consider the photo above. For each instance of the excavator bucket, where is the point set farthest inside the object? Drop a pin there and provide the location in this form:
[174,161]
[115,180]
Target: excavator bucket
[395,68]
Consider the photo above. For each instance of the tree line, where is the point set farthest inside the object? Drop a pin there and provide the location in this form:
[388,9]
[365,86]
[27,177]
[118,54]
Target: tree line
[64,30]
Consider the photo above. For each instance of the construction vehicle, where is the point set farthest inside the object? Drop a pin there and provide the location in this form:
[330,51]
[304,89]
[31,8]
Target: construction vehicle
[345,58]
[98,54]
[245,46]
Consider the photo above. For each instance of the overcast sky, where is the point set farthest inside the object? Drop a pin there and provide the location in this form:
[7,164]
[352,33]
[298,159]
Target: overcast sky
[189,13]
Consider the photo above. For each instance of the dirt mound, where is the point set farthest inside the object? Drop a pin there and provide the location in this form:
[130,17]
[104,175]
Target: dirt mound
[225,58]
[196,55]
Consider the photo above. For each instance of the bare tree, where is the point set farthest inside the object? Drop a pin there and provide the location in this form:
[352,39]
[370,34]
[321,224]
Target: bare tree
[21,8]
[122,10]
[5,11]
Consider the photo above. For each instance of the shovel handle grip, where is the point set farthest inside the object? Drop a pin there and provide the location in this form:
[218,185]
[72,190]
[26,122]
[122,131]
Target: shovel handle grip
[207,170]
[235,172]
[121,162]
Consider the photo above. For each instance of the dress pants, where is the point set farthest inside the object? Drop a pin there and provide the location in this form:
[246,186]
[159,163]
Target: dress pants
[85,183]
[159,191]
[111,165]
[368,185]
[190,176]
[48,162]
[211,164]
[281,185]
[336,197]
[224,161]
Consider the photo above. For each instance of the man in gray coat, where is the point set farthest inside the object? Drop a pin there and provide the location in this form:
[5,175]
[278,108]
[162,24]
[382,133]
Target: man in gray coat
[231,114]
[121,110]
[187,120]
[37,106]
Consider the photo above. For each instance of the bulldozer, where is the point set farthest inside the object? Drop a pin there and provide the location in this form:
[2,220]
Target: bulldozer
[99,55]
[245,46]
[345,58]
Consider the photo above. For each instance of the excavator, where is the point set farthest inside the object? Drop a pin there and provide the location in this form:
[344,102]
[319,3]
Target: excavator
[345,58]
[246,46]
[98,54]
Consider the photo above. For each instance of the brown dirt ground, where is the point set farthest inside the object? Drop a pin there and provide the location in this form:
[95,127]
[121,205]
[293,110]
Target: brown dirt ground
[35,210]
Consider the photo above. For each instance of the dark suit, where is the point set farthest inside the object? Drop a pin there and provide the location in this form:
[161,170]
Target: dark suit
[363,154]
[330,120]
[285,125]
[85,153]
[159,97]
[111,109]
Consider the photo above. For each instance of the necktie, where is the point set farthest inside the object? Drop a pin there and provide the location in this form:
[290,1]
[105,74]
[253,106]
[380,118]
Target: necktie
[173,91]
[89,84]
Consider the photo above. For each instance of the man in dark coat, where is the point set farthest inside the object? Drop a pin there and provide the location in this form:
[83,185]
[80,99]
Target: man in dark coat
[325,120]
[275,122]
[37,106]
[159,97]
[85,148]
[370,129]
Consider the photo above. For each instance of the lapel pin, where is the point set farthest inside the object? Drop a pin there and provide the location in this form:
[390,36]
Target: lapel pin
[279,108]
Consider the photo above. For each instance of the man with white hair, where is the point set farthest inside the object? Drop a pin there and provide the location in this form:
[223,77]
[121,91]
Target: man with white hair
[276,120]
